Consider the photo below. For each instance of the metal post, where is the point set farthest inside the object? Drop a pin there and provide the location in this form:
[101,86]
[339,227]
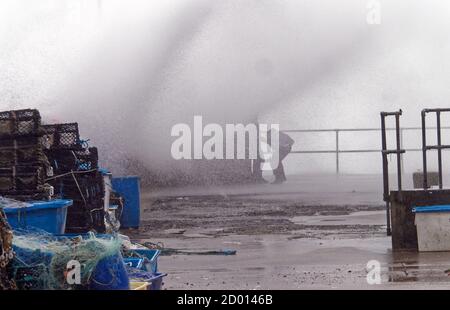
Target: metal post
[399,166]
[401,146]
[337,151]
[438,125]
[385,174]
[424,152]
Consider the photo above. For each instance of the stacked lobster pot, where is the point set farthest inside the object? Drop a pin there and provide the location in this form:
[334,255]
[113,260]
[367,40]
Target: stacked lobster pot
[23,164]
[76,177]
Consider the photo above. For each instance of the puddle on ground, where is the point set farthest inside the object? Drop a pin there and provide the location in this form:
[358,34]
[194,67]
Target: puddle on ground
[355,218]
[218,270]
[255,268]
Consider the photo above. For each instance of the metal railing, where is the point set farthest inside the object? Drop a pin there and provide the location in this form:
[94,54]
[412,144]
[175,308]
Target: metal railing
[337,149]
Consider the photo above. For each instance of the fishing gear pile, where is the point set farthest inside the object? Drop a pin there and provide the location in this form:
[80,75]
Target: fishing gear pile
[64,212]
[42,162]
[41,260]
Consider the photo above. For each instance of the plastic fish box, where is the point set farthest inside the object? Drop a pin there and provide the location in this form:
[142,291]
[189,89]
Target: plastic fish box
[151,258]
[137,263]
[49,216]
[433,228]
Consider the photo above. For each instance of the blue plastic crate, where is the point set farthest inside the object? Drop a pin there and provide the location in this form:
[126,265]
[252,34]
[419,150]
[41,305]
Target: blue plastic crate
[134,262]
[128,188]
[432,209]
[151,258]
[49,216]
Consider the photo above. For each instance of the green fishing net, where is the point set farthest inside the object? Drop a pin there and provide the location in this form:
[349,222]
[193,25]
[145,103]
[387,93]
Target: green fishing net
[43,260]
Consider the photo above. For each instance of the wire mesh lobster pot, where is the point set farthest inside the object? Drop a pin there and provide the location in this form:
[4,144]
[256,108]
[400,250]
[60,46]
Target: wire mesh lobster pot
[87,159]
[38,195]
[64,160]
[78,219]
[77,177]
[86,186]
[24,183]
[22,151]
[82,218]
[61,136]
[20,123]
[86,190]
[21,179]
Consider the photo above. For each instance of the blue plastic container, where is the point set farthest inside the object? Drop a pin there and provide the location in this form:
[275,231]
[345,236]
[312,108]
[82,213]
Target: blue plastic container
[134,262]
[49,216]
[431,209]
[151,261]
[128,188]
[28,257]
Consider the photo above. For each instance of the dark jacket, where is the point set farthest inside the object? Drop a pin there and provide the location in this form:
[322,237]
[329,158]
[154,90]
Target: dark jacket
[284,140]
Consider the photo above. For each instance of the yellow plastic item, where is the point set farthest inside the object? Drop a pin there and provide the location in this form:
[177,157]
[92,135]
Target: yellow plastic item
[139,286]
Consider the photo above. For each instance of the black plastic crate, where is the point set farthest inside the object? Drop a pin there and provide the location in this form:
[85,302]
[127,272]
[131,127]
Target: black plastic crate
[63,136]
[22,151]
[21,179]
[20,123]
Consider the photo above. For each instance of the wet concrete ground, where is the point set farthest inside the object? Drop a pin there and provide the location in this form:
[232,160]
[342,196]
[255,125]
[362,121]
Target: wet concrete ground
[314,232]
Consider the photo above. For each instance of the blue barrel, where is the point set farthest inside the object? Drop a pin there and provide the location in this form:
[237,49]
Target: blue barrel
[128,188]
